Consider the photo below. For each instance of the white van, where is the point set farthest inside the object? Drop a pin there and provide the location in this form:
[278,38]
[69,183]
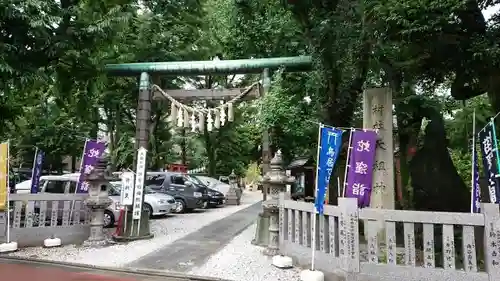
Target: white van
[66,184]
[51,184]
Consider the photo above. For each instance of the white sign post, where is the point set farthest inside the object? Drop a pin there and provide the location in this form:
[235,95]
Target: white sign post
[139,186]
[127,192]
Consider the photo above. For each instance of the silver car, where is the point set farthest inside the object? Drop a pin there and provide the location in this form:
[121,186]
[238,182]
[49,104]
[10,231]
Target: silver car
[157,204]
[215,184]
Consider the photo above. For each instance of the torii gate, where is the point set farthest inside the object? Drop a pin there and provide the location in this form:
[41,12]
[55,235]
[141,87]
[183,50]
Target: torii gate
[149,70]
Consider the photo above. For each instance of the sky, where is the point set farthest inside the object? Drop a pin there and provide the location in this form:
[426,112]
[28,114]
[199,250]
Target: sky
[490,11]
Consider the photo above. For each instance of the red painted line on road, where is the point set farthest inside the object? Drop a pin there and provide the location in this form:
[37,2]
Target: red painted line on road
[17,272]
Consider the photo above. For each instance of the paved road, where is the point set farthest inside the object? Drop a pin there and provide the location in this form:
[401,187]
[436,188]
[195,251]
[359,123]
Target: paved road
[195,248]
[32,270]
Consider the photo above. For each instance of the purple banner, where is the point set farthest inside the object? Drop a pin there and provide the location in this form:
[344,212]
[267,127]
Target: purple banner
[476,190]
[361,161]
[36,172]
[91,153]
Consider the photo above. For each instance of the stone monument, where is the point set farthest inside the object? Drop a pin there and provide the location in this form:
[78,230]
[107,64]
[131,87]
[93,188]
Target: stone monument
[98,201]
[377,114]
[277,180]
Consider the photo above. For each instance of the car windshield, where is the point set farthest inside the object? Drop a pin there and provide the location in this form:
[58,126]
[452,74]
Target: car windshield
[114,190]
[154,180]
[195,180]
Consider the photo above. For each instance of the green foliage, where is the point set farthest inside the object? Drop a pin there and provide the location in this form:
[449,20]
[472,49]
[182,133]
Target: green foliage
[291,118]
[463,163]
[54,94]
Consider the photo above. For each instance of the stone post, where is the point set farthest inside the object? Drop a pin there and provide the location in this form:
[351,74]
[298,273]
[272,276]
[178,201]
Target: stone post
[234,193]
[261,235]
[377,114]
[98,201]
[277,180]
[266,150]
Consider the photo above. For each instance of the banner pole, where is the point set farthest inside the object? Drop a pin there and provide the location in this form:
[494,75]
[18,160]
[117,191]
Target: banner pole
[8,193]
[338,188]
[313,239]
[473,159]
[347,161]
[496,143]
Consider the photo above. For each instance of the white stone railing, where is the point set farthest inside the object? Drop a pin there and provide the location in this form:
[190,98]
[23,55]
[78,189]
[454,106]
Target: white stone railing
[395,245]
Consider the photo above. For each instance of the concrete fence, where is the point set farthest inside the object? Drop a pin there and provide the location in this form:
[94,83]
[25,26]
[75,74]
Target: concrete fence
[395,245]
[35,217]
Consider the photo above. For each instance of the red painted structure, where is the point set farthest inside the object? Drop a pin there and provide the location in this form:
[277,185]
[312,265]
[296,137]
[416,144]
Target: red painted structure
[177,168]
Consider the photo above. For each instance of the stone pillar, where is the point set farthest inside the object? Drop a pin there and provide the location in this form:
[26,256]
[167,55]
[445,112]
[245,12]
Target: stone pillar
[377,114]
[97,202]
[143,121]
[266,151]
[234,193]
[261,235]
[277,180]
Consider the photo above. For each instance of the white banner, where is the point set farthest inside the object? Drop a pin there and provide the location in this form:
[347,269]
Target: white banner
[139,183]
[127,191]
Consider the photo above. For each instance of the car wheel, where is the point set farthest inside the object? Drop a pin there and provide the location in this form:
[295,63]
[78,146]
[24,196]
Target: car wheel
[148,208]
[109,219]
[180,206]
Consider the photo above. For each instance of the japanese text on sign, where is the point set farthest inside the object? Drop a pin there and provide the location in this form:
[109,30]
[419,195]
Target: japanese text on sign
[126,195]
[494,238]
[139,183]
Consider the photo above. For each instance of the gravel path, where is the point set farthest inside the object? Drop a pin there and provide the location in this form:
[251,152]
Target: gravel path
[240,260]
[166,230]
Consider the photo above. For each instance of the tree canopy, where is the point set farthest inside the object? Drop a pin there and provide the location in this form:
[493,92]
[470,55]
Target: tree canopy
[440,58]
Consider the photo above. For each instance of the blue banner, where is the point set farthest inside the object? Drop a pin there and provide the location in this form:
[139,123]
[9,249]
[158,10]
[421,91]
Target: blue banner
[329,144]
[36,172]
[489,156]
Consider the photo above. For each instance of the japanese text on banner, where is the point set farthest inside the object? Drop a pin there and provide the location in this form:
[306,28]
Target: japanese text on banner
[92,152]
[4,175]
[489,161]
[476,190]
[328,149]
[361,162]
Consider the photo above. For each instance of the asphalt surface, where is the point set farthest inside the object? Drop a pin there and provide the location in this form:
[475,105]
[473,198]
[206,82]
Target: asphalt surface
[195,248]
[37,270]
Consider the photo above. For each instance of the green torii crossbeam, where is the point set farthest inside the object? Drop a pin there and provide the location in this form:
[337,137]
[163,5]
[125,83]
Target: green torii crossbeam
[243,66]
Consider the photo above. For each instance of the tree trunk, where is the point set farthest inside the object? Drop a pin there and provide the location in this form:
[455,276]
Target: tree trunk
[494,90]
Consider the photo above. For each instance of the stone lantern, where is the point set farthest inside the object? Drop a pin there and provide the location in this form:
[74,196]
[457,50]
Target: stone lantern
[234,193]
[98,201]
[277,180]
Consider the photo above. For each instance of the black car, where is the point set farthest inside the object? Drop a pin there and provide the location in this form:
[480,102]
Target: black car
[216,198]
